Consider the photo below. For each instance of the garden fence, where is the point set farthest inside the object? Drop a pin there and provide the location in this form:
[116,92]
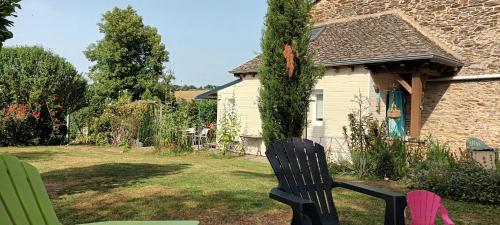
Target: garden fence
[336,148]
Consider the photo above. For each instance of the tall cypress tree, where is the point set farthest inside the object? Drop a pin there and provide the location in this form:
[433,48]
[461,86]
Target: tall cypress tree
[7,9]
[287,73]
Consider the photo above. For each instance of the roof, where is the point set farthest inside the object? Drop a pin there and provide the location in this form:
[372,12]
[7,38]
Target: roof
[377,38]
[188,95]
[251,66]
[212,94]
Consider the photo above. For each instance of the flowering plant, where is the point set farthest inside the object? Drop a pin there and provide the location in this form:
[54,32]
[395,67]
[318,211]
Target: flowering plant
[18,112]
[30,123]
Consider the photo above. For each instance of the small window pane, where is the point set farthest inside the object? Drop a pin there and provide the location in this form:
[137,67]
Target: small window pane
[319,107]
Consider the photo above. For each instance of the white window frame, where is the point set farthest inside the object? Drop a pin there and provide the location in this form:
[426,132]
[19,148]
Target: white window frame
[317,121]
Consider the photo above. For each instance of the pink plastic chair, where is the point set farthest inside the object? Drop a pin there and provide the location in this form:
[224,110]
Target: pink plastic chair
[424,206]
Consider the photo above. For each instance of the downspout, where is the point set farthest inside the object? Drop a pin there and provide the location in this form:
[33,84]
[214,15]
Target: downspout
[467,78]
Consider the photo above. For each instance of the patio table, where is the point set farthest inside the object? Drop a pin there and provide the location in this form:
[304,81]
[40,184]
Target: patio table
[244,140]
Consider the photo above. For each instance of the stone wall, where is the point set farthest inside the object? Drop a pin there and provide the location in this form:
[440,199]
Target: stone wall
[454,111]
[470,28]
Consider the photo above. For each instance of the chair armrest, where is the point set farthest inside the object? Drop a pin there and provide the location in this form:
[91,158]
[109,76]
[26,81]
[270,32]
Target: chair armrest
[371,191]
[444,216]
[289,199]
[395,203]
[304,210]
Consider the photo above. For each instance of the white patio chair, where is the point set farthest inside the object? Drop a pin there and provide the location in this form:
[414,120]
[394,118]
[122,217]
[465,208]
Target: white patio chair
[203,135]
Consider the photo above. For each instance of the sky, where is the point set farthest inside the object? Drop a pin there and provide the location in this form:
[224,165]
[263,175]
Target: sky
[205,38]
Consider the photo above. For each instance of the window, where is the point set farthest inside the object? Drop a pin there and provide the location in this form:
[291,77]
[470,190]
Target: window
[315,32]
[319,106]
[231,103]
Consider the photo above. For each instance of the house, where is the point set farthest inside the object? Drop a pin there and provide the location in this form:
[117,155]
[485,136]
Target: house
[436,61]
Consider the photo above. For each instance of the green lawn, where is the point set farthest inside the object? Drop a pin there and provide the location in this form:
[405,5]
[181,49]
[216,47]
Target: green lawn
[88,184]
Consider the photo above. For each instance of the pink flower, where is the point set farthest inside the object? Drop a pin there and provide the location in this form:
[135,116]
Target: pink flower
[19,111]
[12,108]
[36,115]
[26,112]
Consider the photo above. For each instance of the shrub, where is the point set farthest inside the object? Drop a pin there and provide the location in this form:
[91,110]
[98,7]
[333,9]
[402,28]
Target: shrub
[341,168]
[360,121]
[147,127]
[171,128]
[382,159]
[463,181]
[46,86]
[390,159]
[438,153]
[124,118]
[228,131]
[201,113]
[207,112]
[120,122]
[371,154]
[100,131]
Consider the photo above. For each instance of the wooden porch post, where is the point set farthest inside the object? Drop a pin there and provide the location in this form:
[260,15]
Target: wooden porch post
[416,103]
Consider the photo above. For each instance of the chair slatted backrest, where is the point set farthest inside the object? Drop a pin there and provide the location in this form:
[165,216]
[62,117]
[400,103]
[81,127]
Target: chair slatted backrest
[23,197]
[301,168]
[476,144]
[423,206]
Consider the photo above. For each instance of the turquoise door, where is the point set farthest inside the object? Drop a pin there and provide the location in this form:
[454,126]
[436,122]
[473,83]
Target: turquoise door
[396,127]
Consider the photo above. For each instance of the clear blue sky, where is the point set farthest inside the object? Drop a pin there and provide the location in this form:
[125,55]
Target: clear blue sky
[205,38]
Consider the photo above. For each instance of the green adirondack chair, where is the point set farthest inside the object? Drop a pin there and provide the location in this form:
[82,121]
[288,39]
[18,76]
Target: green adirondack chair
[24,199]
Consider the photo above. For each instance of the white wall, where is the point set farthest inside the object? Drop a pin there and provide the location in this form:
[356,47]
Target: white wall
[245,95]
[338,86]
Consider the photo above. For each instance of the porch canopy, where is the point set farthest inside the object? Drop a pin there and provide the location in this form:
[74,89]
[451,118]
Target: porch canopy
[383,42]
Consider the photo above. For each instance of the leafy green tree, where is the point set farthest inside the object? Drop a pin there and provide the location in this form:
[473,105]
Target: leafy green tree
[7,8]
[207,112]
[287,73]
[130,57]
[33,76]
[46,86]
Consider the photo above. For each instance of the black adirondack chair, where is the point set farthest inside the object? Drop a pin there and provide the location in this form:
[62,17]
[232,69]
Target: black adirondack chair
[305,185]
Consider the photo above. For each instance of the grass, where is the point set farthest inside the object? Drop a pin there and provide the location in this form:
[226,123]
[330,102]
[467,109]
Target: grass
[89,184]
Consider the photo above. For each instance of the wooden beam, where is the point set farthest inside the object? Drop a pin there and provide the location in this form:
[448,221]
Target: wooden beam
[399,70]
[416,105]
[432,72]
[425,78]
[403,83]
